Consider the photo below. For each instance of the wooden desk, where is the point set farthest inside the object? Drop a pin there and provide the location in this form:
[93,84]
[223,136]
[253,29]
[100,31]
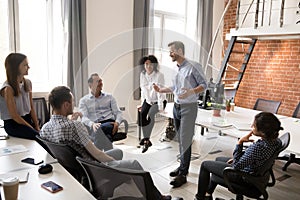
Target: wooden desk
[32,189]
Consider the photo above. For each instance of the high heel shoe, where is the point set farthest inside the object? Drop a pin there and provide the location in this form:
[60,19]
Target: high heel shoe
[147,144]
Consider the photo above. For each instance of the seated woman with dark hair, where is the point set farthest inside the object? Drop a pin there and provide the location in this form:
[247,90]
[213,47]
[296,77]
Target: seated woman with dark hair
[152,102]
[266,126]
[16,106]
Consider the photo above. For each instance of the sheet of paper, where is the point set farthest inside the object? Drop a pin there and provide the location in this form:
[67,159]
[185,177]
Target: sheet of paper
[22,175]
[12,150]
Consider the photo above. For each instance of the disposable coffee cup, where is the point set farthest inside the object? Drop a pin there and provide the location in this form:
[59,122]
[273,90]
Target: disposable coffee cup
[11,188]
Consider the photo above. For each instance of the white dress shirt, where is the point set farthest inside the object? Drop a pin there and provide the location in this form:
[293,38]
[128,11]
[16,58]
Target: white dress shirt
[147,91]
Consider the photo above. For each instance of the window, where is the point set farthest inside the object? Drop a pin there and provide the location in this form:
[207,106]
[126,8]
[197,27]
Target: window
[172,16]
[34,28]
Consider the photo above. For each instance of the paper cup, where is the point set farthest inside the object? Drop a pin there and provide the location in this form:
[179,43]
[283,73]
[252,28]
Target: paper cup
[11,188]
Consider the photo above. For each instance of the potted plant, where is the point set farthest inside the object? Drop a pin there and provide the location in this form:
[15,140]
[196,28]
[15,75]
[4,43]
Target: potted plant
[217,107]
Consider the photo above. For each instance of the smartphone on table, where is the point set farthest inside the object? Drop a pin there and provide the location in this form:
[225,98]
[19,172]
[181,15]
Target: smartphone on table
[32,161]
[51,186]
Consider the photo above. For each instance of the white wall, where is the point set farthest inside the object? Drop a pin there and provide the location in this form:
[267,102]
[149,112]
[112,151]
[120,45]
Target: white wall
[217,48]
[109,26]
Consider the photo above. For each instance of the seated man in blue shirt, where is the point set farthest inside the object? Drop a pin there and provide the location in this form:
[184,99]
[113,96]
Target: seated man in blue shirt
[100,110]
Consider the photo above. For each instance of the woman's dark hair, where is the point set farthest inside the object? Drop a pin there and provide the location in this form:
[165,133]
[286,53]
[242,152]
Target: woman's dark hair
[58,96]
[153,60]
[268,124]
[12,63]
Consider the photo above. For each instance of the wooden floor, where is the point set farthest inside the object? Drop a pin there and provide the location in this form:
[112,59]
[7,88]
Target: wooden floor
[161,158]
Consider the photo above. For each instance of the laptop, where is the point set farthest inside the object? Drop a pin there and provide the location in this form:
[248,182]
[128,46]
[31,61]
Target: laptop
[242,126]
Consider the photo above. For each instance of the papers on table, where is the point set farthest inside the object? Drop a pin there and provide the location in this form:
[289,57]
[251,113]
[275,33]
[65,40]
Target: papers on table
[12,150]
[222,124]
[22,175]
[242,126]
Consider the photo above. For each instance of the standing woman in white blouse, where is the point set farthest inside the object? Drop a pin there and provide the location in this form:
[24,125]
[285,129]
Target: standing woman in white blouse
[152,102]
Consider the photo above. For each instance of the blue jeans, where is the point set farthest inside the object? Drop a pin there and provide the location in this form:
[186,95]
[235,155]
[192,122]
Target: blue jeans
[12,128]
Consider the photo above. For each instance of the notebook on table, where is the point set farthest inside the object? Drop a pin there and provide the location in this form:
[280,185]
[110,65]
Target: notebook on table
[242,126]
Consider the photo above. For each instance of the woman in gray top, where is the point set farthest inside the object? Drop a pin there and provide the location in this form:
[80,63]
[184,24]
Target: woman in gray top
[16,104]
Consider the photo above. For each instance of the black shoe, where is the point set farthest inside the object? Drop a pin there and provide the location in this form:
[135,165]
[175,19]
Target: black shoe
[206,198]
[147,144]
[174,173]
[166,197]
[177,198]
[142,141]
[178,181]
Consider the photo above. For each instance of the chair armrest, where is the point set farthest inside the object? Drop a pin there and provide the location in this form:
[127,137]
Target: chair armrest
[125,125]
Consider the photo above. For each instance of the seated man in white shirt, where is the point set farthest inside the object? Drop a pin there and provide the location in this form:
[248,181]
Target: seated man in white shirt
[61,129]
[100,111]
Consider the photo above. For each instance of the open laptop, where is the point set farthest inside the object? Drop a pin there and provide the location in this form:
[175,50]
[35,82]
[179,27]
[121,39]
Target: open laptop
[242,126]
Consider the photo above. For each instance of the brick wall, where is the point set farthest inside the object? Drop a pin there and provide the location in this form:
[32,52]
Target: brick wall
[273,71]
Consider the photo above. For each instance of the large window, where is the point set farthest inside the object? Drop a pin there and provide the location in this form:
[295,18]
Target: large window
[34,28]
[172,16]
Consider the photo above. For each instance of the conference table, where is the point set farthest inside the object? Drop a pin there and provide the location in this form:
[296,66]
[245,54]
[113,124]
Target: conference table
[225,124]
[13,150]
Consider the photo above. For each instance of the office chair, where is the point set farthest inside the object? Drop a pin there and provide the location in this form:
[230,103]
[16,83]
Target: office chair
[296,113]
[267,105]
[41,109]
[66,156]
[252,186]
[116,183]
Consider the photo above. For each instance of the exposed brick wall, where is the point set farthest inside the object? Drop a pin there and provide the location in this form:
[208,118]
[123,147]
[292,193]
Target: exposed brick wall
[272,73]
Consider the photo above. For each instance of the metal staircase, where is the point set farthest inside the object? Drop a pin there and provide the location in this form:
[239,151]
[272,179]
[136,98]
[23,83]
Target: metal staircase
[234,64]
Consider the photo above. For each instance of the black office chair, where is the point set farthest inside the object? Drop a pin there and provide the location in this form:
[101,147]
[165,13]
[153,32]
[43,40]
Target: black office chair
[252,186]
[267,105]
[42,110]
[296,113]
[66,156]
[115,183]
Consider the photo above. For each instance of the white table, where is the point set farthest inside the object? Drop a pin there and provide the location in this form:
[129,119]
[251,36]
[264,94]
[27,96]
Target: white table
[32,189]
[206,119]
[13,162]
[292,125]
